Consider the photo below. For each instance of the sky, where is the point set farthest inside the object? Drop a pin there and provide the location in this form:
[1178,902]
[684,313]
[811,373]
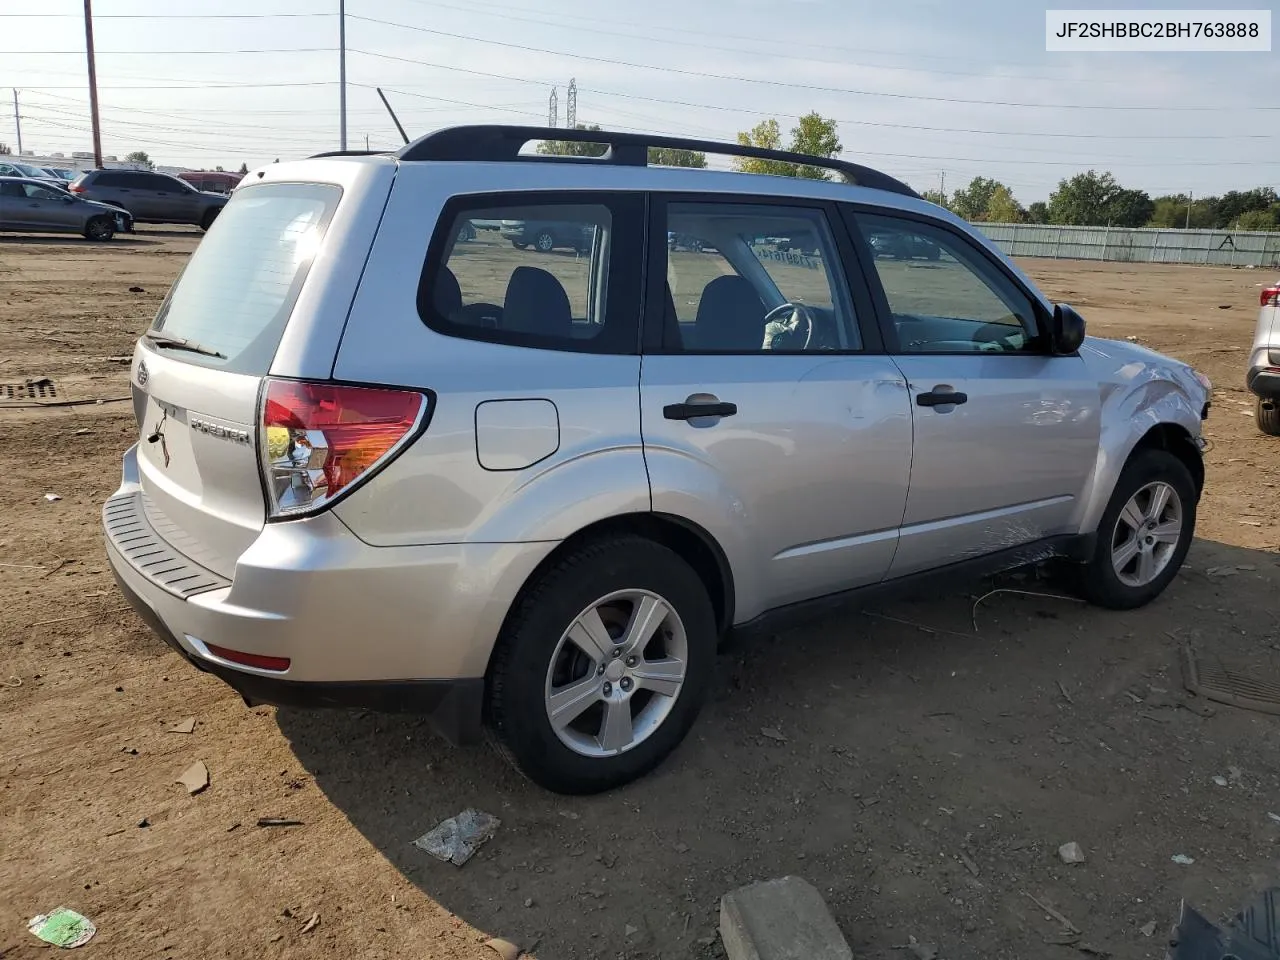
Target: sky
[923,89]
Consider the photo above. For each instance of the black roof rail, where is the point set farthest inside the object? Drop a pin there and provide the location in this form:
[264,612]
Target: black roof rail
[351,153]
[495,142]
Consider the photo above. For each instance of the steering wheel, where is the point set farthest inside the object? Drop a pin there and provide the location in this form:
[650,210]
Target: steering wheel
[775,327]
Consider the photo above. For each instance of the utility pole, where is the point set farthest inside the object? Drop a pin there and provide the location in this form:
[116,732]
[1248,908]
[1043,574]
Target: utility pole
[93,84]
[342,74]
[366,143]
[17,120]
[942,189]
[1190,197]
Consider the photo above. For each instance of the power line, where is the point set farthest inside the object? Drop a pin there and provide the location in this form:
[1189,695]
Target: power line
[706,75]
[174,16]
[170,53]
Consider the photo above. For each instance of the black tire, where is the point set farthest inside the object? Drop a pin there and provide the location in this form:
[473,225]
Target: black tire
[100,229]
[207,220]
[468,232]
[1099,583]
[518,245]
[1268,417]
[545,242]
[517,711]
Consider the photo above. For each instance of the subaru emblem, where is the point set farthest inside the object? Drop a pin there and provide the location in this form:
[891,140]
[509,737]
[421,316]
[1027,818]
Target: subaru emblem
[143,374]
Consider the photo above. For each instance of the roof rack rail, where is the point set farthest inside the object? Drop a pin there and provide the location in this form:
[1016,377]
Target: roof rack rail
[351,153]
[495,142]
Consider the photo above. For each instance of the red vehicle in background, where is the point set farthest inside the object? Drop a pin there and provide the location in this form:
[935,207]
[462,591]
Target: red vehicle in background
[211,181]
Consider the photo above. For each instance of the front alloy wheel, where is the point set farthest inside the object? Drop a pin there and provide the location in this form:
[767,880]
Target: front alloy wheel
[1146,534]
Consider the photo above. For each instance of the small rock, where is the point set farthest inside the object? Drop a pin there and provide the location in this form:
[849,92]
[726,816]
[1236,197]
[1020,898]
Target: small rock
[570,815]
[1071,853]
[51,497]
[503,948]
[772,734]
[1148,929]
[312,923]
[1274,816]
[1220,781]
[1183,859]
[629,930]
[277,938]
[925,951]
[184,726]
[195,778]
[681,848]
[136,290]
[528,902]
[143,823]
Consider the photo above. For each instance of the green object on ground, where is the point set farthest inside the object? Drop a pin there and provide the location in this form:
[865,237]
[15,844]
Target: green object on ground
[63,928]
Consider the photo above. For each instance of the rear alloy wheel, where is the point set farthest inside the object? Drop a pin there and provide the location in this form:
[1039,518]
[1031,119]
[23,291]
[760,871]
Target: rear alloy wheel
[1144,533]
[100,229]
[603,666]
[1268,417]
[545,242]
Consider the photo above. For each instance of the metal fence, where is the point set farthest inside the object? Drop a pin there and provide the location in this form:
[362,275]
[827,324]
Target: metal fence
[1227,248]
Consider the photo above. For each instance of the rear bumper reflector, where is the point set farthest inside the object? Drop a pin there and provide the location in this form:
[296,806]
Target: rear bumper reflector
[255,660]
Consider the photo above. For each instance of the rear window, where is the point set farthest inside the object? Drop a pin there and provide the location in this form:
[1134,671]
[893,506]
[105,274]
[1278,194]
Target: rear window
[240,285]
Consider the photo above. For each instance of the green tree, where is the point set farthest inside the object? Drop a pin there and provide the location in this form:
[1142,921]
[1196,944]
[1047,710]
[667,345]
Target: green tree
[244,168]
[1003,208]
[971,202]
[4,149]
[1171,211]
[1259,220]
[218,169]
[572,148]
[1096,199]
[1129,208]
[814,135]
[672,157]
[139,156]
[1235,203]
[935,196]
[1038,212]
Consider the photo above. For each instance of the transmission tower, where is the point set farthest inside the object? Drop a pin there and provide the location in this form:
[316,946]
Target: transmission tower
[553,109]
[571,106]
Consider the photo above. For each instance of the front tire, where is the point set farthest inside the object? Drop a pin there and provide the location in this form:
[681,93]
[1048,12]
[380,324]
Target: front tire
[100,229]
[1144,533]
[602,666]
[1267,414]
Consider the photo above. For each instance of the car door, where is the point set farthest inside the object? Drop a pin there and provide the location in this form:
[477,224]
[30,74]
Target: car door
[791,446]
[125,188]
[1006,433]
[51,209]
[12,205]
[175,200]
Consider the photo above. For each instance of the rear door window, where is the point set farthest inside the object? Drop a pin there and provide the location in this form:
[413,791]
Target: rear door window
[240,285]
[560,272]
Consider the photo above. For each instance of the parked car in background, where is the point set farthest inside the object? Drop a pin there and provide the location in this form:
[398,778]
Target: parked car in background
[547,235]
[374,469]
[63,173]
[12,168]
[898,246]
[211,181]
[150,197]
[1263,378]
[32,206]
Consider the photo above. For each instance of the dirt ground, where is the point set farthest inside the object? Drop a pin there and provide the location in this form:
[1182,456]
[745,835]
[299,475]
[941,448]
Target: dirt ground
[927,776]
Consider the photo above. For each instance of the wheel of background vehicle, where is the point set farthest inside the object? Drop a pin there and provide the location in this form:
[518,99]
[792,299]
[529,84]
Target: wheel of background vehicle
[207,220]
[518,245]
[1268,417]
[602,666]
[100,229]
[1144,533]
[545,242]
[468,232]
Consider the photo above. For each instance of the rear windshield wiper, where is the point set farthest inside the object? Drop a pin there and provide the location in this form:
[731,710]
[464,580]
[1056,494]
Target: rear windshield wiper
[178,343]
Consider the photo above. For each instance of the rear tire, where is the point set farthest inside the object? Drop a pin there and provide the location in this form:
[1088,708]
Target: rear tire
[518,245]
[1144,533]
[100,229]
[1268,417]
[613,585]
[545,242]
[207,220]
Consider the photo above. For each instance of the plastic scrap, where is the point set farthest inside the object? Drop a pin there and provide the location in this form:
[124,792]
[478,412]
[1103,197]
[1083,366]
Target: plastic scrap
[1183,859]
[63,928]
[195,778]
[456,839]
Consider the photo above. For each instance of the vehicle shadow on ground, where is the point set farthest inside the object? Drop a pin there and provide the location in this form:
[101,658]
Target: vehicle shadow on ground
[74,240]
[866,752]
[169,232]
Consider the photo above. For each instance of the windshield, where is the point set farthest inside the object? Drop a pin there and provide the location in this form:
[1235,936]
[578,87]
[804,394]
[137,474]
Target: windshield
[238,289]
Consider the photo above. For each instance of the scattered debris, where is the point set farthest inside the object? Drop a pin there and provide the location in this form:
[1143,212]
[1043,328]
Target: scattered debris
[528,902]
[1274,816]
[195,778]
[773,734]
[1071,852]
[136,290]
[969,863]
[234,827]
[925,951]
[1183,859]
[1220,781]
[276,822]
[143,823]
[1066,924]
[630,931]
[1065,694]
[1131,338]
[1092,951]
[184,726]
[312,923]
[1221,571]
[570,815]
[63,928]
[1148,929]
[51,497]
[1023,593]
[456,839]
[681,848]
[503,948]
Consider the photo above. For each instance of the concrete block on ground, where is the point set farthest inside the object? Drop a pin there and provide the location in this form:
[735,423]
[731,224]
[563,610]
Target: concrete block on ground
[783,919]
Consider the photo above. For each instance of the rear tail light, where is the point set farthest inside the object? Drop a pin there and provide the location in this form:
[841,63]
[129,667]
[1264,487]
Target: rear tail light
[318,440]
[75,188]
[1271,297]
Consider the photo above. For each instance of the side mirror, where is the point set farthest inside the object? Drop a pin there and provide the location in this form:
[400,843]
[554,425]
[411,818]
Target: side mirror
[1068,330]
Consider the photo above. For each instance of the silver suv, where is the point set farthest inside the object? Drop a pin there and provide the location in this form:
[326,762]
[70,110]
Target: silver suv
[1263,378]
[533,490]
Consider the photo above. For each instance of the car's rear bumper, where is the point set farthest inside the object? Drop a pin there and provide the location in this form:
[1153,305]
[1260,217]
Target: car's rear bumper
[1264,382]
[399,628]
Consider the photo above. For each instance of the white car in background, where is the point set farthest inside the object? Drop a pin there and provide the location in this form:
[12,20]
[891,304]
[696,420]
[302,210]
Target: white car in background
[1263,378]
